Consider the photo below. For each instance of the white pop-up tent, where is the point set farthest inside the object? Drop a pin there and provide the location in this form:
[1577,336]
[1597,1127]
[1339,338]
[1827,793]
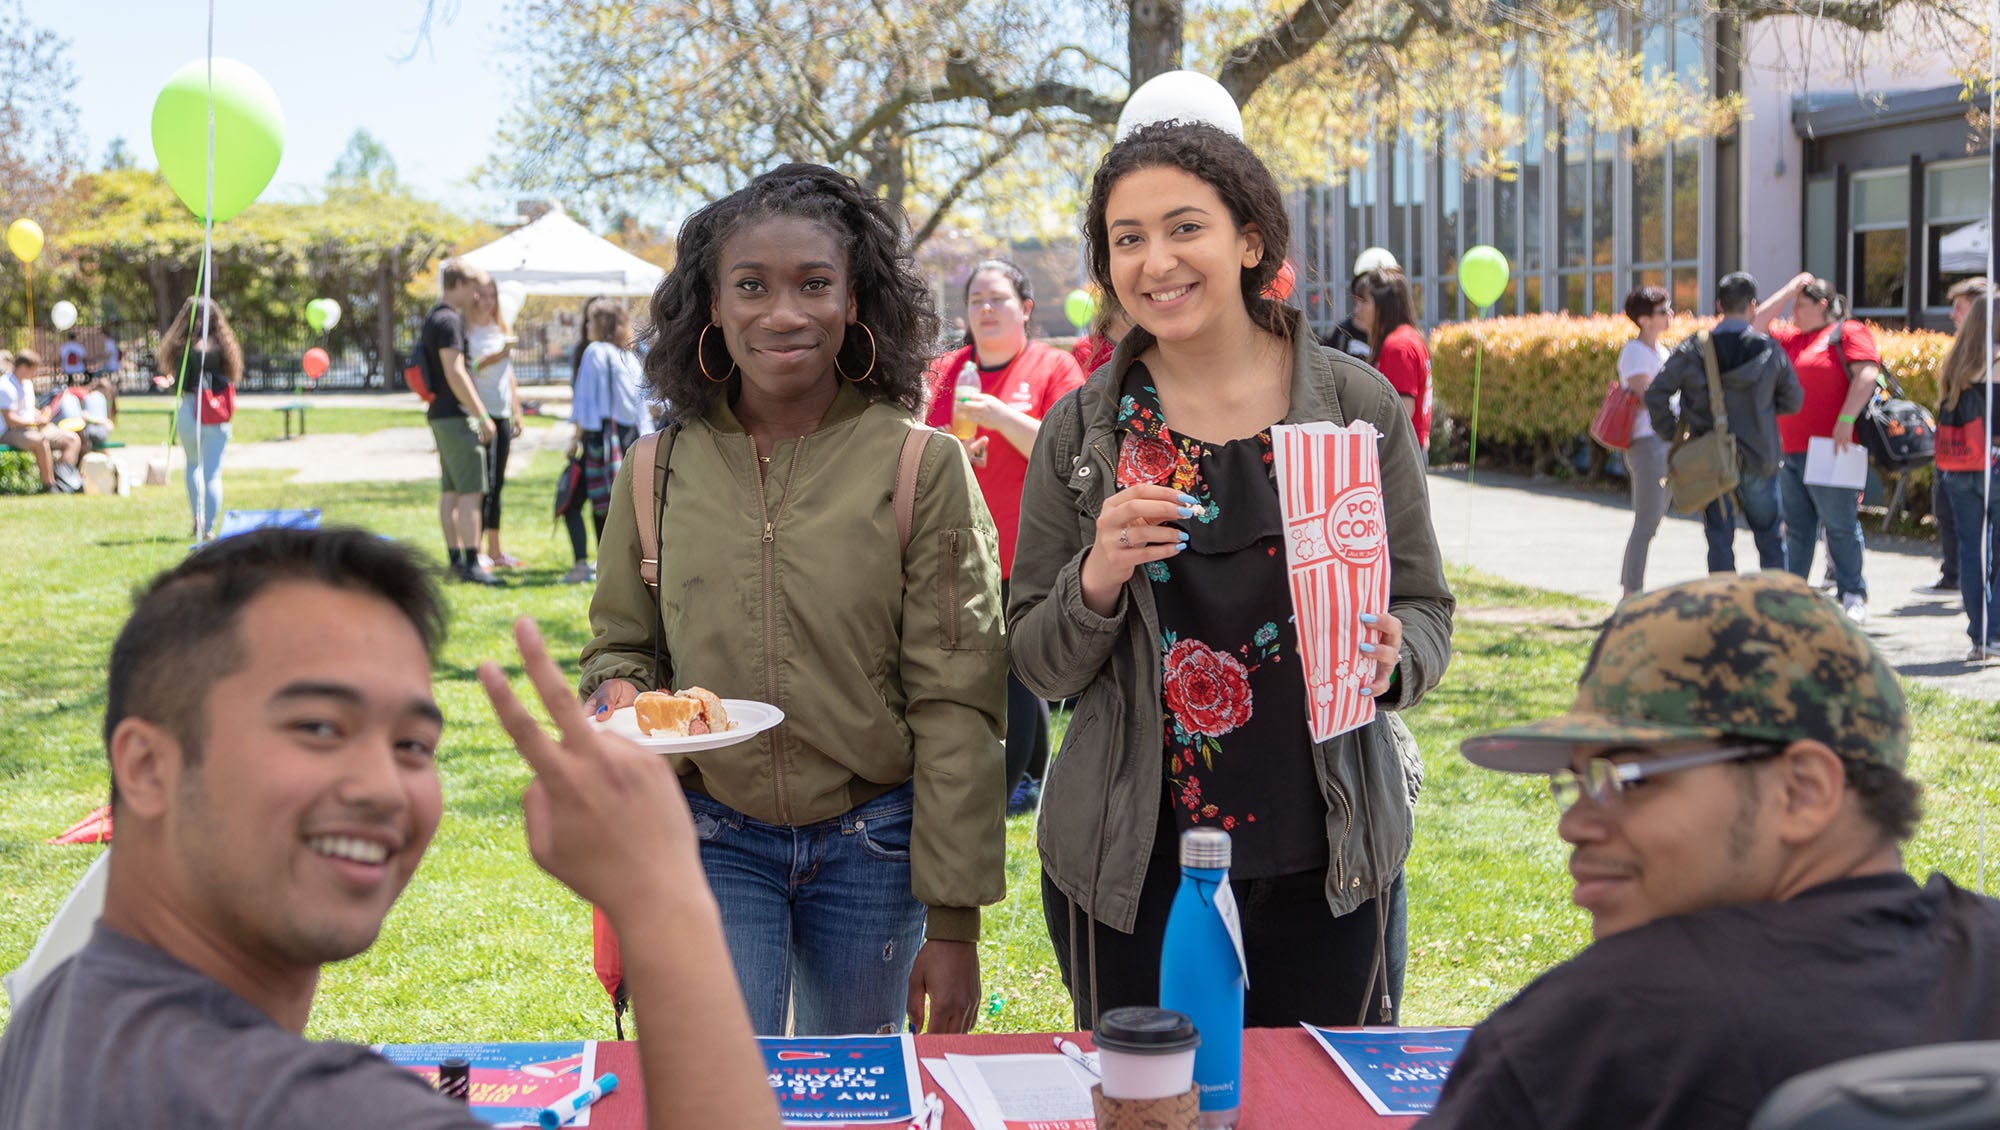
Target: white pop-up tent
[557,256]
[1964,251]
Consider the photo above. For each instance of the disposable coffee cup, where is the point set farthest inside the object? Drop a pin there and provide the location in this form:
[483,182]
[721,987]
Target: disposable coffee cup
[1145,1053]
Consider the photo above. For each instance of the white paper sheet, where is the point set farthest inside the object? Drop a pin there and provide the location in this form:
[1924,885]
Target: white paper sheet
[1016,1092]
[1826,467]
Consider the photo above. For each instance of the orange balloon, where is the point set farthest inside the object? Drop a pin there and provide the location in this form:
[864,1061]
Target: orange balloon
[316,362]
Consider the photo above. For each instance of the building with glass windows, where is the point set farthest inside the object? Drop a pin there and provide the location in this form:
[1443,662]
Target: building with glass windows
[1859,166]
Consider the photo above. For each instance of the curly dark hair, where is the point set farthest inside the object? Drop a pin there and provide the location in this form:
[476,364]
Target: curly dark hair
[1229,167]
[890,297]
[1891,801]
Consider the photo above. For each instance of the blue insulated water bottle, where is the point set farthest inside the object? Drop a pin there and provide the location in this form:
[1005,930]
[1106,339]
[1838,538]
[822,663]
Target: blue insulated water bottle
[1201,972]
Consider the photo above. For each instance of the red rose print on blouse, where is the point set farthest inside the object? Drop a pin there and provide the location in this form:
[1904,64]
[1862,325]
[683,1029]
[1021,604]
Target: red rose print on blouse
[1208,690]
[1145,459]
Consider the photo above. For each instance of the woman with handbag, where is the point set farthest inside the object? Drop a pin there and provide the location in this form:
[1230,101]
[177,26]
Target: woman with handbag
[202,358]
[1646,456]
[1966,464]
[607,411]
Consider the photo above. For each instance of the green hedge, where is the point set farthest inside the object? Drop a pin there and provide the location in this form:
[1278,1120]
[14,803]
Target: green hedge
[1544,375]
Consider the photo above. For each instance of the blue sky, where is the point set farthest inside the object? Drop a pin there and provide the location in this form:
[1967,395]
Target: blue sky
[336,68]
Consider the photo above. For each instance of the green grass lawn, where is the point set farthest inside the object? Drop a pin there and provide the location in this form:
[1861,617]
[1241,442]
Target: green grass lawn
[143,420]
[484,946]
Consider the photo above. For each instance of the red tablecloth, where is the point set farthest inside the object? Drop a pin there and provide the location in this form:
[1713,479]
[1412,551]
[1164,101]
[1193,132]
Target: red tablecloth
[1289,1083]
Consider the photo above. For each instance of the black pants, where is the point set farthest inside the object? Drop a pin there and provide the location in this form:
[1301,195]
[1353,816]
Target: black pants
[496,473]
[1027,726]
[1305,964]
[573,518]
[1947,524]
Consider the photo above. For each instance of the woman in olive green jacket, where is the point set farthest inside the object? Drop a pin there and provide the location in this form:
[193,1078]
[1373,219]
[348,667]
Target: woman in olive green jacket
[851,847]
[1150,580]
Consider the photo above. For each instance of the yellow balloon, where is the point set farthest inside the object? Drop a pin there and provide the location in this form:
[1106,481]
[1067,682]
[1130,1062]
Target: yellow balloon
[24,239]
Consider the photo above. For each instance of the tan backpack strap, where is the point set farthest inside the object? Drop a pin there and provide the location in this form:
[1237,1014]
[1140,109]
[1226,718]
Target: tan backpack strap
[906,481]
[647,487]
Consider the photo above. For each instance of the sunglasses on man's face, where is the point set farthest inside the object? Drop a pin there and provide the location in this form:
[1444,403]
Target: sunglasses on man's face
[1606,777]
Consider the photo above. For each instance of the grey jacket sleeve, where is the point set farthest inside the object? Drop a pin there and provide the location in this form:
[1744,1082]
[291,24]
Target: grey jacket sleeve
[1660,394]
[1418,593]
[1056,643]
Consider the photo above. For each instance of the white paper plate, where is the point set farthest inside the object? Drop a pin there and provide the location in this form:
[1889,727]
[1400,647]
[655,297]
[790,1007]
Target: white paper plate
[749,718]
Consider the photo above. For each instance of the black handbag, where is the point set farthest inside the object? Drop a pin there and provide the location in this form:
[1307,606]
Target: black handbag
[1898,432]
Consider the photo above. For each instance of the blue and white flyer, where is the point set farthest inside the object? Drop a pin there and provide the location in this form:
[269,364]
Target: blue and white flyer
[1400,1071]
[842,1080]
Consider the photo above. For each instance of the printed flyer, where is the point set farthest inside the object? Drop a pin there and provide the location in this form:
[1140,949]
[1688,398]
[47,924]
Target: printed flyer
[511,1083]
[836,1080]
[1398,1070]
[1337,554]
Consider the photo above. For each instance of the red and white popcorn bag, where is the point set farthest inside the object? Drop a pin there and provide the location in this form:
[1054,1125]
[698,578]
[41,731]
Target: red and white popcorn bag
[1337,556]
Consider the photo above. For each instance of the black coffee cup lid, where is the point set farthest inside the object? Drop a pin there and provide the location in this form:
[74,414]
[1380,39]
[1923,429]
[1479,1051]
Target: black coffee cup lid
[1145,1031]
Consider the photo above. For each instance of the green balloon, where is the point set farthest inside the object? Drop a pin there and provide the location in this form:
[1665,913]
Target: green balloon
[249,135]
[316,315]
[1482,275]
[1079,307]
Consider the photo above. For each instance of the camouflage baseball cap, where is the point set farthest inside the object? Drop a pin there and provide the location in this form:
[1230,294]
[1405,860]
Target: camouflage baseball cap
[1761,657]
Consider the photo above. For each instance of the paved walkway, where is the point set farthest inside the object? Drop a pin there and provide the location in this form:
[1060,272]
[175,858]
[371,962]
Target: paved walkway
[392,454]
[1572,540]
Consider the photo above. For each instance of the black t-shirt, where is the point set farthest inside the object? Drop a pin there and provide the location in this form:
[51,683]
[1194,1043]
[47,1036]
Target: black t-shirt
[1691,1021]
[443,330]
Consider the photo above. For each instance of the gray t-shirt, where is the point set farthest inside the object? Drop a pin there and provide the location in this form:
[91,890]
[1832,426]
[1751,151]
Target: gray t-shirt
[124,1037]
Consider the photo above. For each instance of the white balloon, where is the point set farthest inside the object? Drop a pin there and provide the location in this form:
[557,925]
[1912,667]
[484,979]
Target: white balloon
[1375,259]
[512,296]
[1183,96]
[332,309]
[63,314]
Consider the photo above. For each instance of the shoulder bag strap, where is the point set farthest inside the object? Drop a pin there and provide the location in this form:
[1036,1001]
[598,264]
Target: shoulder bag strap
[906,482]
[649,497]
[1715,403]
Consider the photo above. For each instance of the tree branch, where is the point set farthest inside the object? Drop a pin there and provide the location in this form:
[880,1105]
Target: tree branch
[1862,15]
[951,196]
[1251,63]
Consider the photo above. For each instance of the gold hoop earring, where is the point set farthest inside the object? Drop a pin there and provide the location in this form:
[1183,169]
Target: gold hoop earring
[871,357]
[700,344]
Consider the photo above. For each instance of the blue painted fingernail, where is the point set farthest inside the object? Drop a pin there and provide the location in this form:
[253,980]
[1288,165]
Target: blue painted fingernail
[1189,500]
[1187,511]
[1368,617]
[1184,537]
[1368,647]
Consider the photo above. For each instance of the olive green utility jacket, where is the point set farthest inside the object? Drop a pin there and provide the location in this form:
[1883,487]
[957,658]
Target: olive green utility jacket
[790,591]
[1101,804]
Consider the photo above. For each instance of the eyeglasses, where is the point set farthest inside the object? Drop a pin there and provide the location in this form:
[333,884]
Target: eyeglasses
[1604,780]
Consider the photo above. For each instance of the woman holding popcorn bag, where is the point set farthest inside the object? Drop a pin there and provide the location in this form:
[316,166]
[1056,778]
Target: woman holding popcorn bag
[1151,580]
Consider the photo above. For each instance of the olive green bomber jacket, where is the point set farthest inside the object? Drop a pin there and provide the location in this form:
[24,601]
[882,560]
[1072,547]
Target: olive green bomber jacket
[1101,802]
[887,670]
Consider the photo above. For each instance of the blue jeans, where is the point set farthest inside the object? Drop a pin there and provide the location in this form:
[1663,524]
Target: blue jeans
[203,444]
[1807,508]
[819,917]
[1756,498]
[1976,584]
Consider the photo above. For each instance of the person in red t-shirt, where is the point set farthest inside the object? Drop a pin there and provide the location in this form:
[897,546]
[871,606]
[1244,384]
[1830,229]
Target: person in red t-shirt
[1385,311]
[1094,348]
[1019,381]
[1837,388]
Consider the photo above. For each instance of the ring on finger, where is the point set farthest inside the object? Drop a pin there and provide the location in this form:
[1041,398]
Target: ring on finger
[1125,538]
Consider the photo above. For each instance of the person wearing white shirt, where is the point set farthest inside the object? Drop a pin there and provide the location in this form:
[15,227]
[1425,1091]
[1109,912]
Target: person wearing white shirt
[25,427]
[608,411]
[490,343]
[1646,460]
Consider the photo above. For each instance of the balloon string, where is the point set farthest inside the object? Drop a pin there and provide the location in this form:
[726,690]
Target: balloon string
[205,287]
[1472,460]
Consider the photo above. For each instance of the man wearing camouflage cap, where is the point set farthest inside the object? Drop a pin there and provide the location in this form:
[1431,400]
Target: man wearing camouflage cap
[1732,790]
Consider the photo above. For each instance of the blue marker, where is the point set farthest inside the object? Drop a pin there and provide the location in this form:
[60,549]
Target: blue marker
[560,1112]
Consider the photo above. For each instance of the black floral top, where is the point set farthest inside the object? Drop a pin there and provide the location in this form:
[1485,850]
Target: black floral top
[1238,755]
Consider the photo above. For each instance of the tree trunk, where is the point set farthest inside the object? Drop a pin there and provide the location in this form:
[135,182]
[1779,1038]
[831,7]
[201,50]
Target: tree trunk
[1154,38]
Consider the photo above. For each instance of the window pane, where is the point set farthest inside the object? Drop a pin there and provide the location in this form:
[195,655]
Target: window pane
[1356,236]
[1510,298]
[1572,293]
[1601,298]
[1881,199]
[1452,209]
[1649,208]
[1649,278]
[1957,193]
[1950,261]
[1687,291]
[1419,202]
[1533,153]
[1570,209]
[1687,199]
[1447,293]
[1507,218]
[1687,46]
[1822,228]
[1531,294]
[1879,261]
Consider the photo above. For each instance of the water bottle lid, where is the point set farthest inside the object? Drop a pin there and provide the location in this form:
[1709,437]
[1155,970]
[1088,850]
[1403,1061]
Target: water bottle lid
[1145,1031]
[1206,848]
